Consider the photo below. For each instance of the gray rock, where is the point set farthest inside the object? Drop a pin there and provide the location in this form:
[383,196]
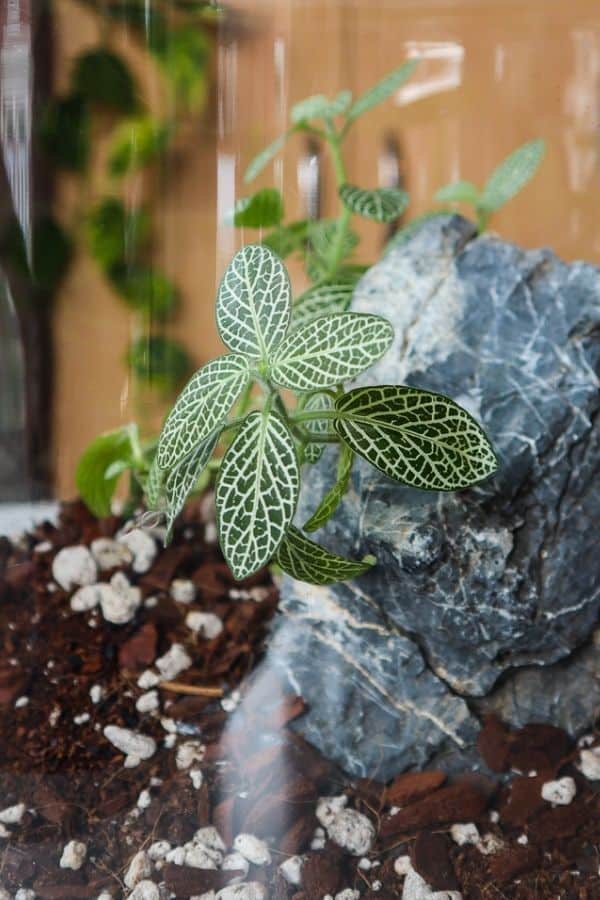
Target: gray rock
[496,581]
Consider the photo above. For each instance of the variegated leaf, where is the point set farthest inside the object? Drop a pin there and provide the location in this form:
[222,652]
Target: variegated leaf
[321,301]
[305,560]
[254,302]
[333,497]
[202,406]
[417,437]
[320,107]
[287,239]
[154,484]
[320,427]
[512,174]
[182,480]
[379,204]
[312,453]
[382,90]
[330,350]
[256,493]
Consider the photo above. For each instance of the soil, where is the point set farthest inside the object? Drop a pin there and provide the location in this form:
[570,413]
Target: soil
[247,772]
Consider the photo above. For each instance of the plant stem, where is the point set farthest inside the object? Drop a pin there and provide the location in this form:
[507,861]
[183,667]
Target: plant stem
[310,415]
[335,146]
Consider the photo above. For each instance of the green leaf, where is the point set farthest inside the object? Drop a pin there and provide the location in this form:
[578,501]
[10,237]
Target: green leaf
[256,493]
[333,497]
[287,239]
[329,350]
[102,77]
[202,407]
[114,233]
[382,90]
[305,560]
[254,302]
[160,362]
[261,210]
[323,237]
[320,107]
[185,60]
[182,480]
[135,143]
[320,427]
[321,301]
[512,175]
[265,156]
[380,204]
[146,290]
[65,133]
[52,252]
[312,453]
[458,192]
[95,488]
[417,437]
[153,487]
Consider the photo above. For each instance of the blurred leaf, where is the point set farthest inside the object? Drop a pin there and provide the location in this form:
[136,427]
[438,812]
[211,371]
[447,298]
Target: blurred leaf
[380,204]
[404,234]
[185,62]
[65,133]
[265,156]
[261,210]
[320,107]
[52,251]
[141,16]
[97,475]
[102,77]
[146,290]
[287,239]
[323,239]
[114,233]
[458,192]
[135,143]
[159,361]
[383,89]
[512,175]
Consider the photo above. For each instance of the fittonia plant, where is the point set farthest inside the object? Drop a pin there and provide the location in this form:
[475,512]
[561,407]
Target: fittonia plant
[414,436]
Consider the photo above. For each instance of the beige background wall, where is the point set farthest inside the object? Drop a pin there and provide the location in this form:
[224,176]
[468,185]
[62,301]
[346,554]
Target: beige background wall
[493,75]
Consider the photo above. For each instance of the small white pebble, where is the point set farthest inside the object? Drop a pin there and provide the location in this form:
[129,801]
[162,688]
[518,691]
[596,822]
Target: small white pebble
[54,716]
[522,839]
[109,554]
[25,894]
[139,868]
[318,839]
[586,740]
[560,792]
[104,896]
[352,831]
[197,778]
[253,849]
[210,838]
[73,855]
[251,890]
[151,602]
[135,746]
[329,807]
[158,850]
[208,625]
[21,702]
[170,741]
[231,702]
[74,566]
[364,864]
[176,856]
[142,547]
[169,725]
[148,679]
[173,662]
[199,857]
[145,890]
[466,833]
[88,597]
[291,869]
[402,866]
[12,815]
[376,886]
[489,844]
[96,693]
[81,719]
[120,604]
[590,764]
[351,894]
[210,533]
[235,862]
[494,816]
[43,547]
[144,800]
[147,702]
[183,590]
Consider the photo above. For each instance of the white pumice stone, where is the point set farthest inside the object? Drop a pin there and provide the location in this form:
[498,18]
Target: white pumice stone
[231,702]
[96,693]
[73,855]
[318,839]
[142,547]
[109,554]
[174,661]
[560,792]
[182,590]
[89,596]
[148,679]
[351,894]
[466,833]
[135,746]
[120,604]
[364,864]
[144,800]
[188,753]
[291,869]
[416,888]
[196,778]
[235,862]
[489,844]
[104,896]
[139,868]
[209,837]
[202,858]
[147,702]
[329,807]
[81,719]
[12,815]
[208,625]
[402,865]
[169,725]
[210,533]
[21,702]
[494,816]
[145,890]
[4,832]
[176,856]
[253,849]
[158,850]
[523,839]
[43,547]
[74,566]
[590,764]
[170,741]
[252,890]
[352,831]
[25,894]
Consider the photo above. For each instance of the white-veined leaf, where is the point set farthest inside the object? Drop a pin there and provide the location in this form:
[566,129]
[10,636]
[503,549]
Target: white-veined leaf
[458,192]
[287,239]
[319,426]
[305,560]
[512,174]
[323,237]
[265,156]
[254,302]
[313,453]
[330,350]
[256,493]
[380,204]
[417,437]
[321,301]
[382,90]
[202,407]
[181,480]
[264,209]
[320,107]
[153,487]
[333,497]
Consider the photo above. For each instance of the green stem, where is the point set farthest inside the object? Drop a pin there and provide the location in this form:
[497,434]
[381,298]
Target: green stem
[335,146]
[309,415]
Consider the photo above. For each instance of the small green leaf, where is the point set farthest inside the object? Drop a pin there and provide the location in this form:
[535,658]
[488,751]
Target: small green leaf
[114,233]
[320,107]
[382,90]
[146,290]
[320,427]
[312,453]
[65,133]
[287,239]
[182,480]
[333,497]
[95,488]
[202,407]
[160,362]
[265,156]
[185,59]
[256,493]
[458,192]
[380,204]
[254,302]
[102,77]
[305,560]
[329,350]
[261,210]
[321,301]
[323,237]
[512,175]
[416,437]
[135,143]
[153,487]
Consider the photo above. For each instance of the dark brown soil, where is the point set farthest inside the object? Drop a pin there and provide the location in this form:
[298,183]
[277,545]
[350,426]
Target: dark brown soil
[259,777]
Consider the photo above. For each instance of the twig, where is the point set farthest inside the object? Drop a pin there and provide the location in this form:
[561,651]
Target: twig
[178,687]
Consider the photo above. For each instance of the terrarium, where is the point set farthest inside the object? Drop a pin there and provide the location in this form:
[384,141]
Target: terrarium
[299,450]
